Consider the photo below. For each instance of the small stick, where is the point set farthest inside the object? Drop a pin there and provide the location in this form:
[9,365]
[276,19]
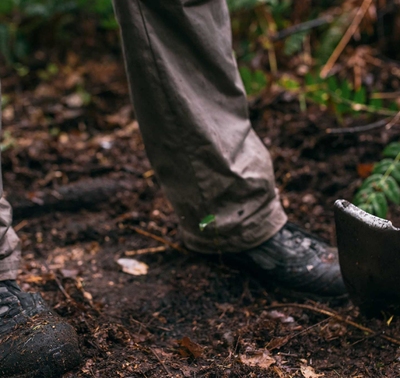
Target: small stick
[300,333]
[346,38]
[386,95]
[159,239]
[361,107]
[58,282]
[359,129]
[335,316]
[145,250]
[278,371]
[309,328]
[304,26]
[20,225]
[62,289]
[160,361]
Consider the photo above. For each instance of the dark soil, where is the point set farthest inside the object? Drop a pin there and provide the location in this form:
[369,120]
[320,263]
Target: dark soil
[189,316]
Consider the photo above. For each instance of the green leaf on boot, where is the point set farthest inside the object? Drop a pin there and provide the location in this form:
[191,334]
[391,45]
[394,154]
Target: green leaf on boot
[206,221]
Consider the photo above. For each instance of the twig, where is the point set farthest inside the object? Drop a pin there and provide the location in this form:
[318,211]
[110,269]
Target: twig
[362,107]
[288,338]
[364,338]
[335,316]
[278,371]
[308,328]
[159,239]
[140,324]
[20,225]
[58,282]
[304,26]
[393,121]
[358,129]
[385,95]
[145,250]
[388,123]
[160,361]
[62,289]
[346,38]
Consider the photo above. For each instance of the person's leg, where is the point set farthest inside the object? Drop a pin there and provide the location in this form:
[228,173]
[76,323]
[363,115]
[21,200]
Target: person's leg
[192,111]
[10,249]
[33,340]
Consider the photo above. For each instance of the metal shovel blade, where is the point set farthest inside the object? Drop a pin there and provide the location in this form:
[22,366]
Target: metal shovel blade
[369,255]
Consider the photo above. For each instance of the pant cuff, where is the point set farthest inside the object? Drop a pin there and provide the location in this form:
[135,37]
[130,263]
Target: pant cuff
[263,225]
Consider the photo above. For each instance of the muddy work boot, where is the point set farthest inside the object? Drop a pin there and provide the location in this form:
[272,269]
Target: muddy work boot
[297,260]
[34,342]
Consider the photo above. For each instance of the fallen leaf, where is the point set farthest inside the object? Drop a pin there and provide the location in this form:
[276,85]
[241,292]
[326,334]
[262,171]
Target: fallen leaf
[69,273]
[187,371]
[74,100]
[277,315]
[308,372]
[122,117]
[260,358]
[278,342]
[133,267]
[188,348]
[225,308]
[364,170]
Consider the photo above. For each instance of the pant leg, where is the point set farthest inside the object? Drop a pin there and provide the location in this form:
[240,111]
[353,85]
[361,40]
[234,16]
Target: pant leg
[10,250]
[192,111]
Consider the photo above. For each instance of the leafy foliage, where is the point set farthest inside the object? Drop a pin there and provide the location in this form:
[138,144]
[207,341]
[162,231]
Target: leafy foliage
[264,25]
[331,37]
[22,20]
[383,185]
[235,5]
[337,95]
[253,81]
[255,24]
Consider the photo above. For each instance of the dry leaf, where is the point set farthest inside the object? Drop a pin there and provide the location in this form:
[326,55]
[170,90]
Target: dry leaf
[188,348]
[132,266]
[260,358]
[69,273]
[278,342]
[40,279]
[308,372]
[277,315]
[364,170]
[74,100]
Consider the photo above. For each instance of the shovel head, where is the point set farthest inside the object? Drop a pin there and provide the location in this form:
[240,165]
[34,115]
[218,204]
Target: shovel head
[369,255]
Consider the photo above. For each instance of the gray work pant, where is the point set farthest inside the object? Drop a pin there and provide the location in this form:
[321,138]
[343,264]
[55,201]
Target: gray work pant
[192,111]
[10,249]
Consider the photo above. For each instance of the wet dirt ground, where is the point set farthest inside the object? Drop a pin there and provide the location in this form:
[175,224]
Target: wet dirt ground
[76,172]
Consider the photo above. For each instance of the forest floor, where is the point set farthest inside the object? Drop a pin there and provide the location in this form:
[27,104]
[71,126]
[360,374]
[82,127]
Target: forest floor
[83,192]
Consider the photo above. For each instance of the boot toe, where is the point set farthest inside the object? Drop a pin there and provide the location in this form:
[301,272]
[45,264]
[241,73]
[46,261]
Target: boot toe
[44,346]
[297,260]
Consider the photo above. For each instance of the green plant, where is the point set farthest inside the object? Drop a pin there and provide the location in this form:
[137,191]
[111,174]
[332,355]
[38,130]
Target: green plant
[383,184]
[236,5]
[254,81]
[337,95]
[21,21]
[8,141]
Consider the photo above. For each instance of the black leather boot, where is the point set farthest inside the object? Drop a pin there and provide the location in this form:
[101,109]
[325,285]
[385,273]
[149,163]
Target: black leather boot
[34,342]
[295,259]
